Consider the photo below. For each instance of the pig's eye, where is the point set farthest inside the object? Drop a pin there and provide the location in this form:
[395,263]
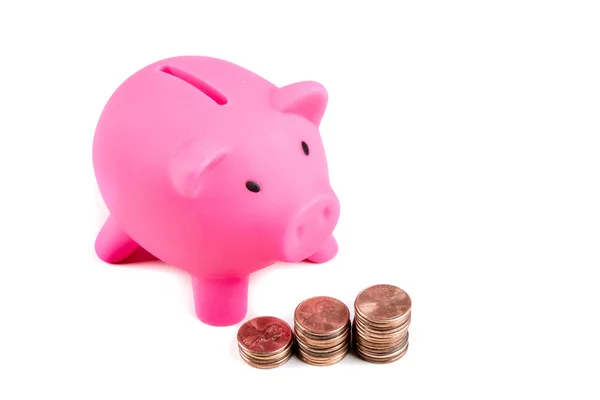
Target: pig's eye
[305,148]
[253,186]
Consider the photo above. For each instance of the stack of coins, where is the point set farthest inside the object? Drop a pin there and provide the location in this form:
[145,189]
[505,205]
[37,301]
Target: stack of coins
[265,342]
[322,326]
[380,328]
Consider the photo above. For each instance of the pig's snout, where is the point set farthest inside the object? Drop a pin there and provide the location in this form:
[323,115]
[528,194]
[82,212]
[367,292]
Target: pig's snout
[309,227]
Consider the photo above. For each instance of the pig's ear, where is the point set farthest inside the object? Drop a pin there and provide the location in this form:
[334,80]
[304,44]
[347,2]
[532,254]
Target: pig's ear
[190,163]
[307,99]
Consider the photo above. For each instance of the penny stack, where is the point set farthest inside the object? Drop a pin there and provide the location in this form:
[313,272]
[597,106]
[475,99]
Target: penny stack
[322,330]
[265,342]
[381,322]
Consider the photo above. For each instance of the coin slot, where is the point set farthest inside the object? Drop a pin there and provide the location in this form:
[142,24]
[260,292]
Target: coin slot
[210,91]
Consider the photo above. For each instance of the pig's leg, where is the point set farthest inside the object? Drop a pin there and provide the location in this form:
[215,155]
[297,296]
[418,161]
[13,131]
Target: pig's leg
[112,244]
[327,251]
[220,302]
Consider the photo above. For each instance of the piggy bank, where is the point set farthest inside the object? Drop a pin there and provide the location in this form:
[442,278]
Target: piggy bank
[216,171]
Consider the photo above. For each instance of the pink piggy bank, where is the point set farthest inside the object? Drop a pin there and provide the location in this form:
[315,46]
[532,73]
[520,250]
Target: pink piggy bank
[216,171]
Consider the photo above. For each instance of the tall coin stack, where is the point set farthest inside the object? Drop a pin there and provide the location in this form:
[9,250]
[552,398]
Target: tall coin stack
[322,326]
[265,342]
[381,322]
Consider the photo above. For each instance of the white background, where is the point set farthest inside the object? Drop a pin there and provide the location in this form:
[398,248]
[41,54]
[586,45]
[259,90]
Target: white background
[463,140]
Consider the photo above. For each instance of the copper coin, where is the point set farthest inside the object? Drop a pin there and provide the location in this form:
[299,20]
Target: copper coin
[310,335]
[321,352]
[379,342]
[265,342]
[322,315]
[323,361]
[380,347]
[368,334]
[264,335]
[323,330]
[378,337]
[382,354]
[381,323]
[267,356]
[323,348]
[333,358]
[328,354]
[384,303]
[325,343]
[378,330]
[387,360]
[376,326]
[260,365]
[377,348]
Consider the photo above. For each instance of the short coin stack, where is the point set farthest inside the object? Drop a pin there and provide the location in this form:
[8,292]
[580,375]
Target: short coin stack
[322,326]
[265,342]
[380,328]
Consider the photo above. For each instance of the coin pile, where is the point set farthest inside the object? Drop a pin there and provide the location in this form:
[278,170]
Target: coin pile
[265,342]
[381,321]
[322,329]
